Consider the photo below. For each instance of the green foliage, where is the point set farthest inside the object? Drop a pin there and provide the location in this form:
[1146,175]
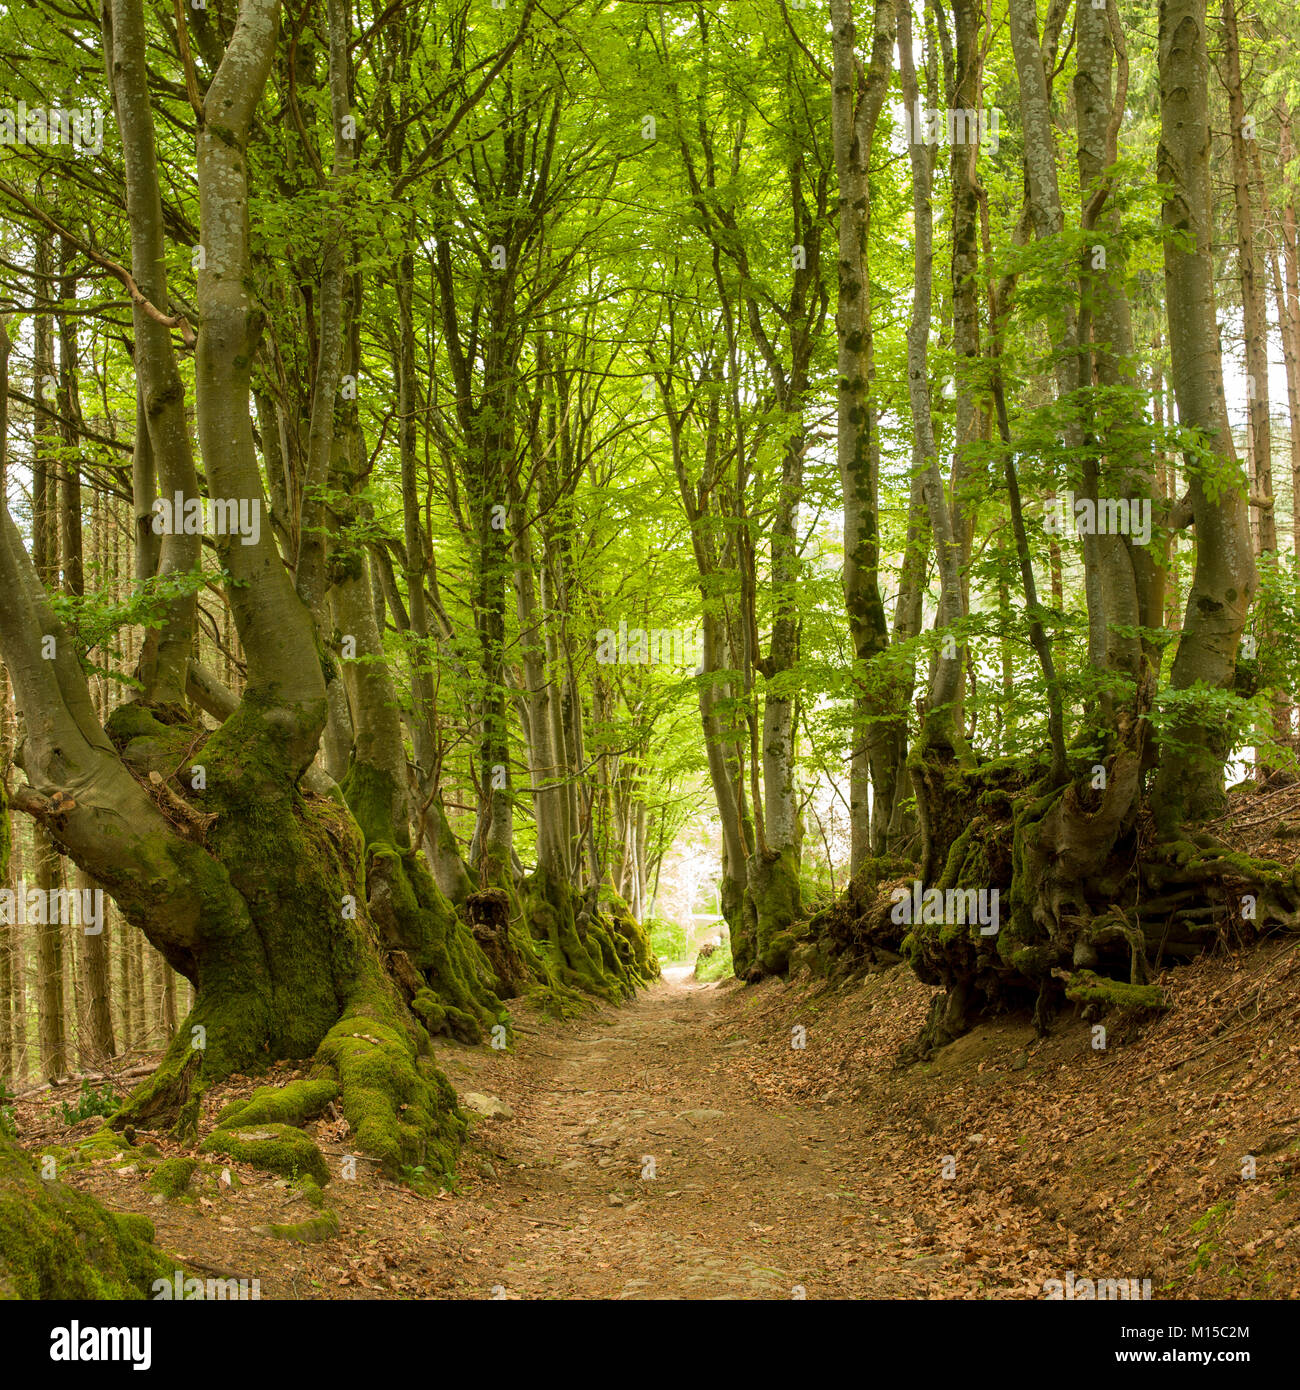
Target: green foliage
[90,1102]
[97,619]
[718,965]
[667,937]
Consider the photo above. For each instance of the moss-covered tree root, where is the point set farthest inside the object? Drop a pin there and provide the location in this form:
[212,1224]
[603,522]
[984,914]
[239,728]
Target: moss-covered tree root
[1055,897]
[320,934]
[58,1243]
[772,906]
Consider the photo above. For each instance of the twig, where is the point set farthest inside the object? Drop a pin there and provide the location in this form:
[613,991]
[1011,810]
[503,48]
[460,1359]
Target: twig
[118,271]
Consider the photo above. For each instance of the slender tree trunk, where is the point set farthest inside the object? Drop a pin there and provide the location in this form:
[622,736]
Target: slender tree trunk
[49,961]
[856,99]
[1189,783]
[45,559]
[125,1023]
[164,459]
[1290,254]
[1254,312]
[97,1014]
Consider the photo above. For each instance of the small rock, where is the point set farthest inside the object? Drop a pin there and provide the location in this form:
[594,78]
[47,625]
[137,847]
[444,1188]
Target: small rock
[489,1107]
[615,1200]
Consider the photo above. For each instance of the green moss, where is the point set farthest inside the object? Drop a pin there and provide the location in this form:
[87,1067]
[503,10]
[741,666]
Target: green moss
[773,905]
[57,1243]
[547,906]
[289,970]
[1031,961]
[315,1228]
[277,1148]
[310,1190]
[429,1007]
[1018,928]
[98,1146]
[172,1176]
[1084,987]
[412,915]
[402,1110]
[131,721]
[558,1001]
[293,1104]
[644,962]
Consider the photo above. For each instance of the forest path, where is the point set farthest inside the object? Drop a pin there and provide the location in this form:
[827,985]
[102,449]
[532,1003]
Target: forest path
[747,1199]
[1006,1160]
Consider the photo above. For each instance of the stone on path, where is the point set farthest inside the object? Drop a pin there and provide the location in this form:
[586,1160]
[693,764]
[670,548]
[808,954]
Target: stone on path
[489,1107]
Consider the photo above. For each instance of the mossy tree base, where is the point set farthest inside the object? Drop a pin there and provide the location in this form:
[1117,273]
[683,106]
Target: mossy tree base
[289,962]
[1089,900]
[773,905]
[323,936]
[576,945]
[57,1243]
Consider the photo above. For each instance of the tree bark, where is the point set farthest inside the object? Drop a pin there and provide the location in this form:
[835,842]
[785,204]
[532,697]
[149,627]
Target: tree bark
[856,100]
[1189,783]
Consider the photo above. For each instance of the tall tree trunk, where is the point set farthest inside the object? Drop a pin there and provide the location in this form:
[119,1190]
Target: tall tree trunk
[49,963]
[45,559]
[1189,783]
[164,459]
[856,99]
[940,738]
[1254,312]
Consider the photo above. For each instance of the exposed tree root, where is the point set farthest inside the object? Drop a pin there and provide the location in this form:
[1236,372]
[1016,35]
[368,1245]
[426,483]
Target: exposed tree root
[1088,900]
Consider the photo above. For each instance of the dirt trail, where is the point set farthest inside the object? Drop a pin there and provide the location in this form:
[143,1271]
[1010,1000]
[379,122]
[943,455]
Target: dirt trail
[680,1147]
[642,1160]
[641,1164]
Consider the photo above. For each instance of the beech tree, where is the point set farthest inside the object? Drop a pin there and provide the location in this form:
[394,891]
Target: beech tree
[538,440]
